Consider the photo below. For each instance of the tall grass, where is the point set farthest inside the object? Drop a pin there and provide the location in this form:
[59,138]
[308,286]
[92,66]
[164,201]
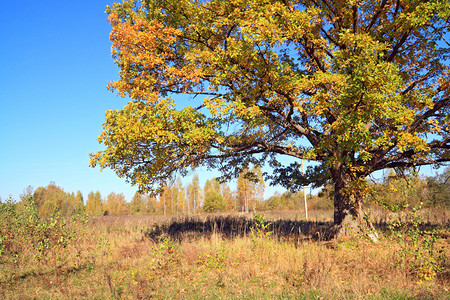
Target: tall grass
[114,257]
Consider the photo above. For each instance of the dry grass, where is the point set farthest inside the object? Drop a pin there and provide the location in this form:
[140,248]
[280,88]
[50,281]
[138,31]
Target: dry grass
[114,259]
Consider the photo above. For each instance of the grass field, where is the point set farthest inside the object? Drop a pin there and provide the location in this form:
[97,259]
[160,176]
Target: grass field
[113,258]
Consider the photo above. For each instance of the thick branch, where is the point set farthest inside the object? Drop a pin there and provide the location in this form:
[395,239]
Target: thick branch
[405,159]
[415,83]
[376,15]
[309,49]
[397,46]
[291,124]
[437,105]
[255,148]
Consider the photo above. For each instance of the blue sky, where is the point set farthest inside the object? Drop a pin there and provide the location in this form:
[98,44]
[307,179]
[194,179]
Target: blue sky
[55,64]
[55,59]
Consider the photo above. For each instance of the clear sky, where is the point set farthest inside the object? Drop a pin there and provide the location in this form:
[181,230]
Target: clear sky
[55,63]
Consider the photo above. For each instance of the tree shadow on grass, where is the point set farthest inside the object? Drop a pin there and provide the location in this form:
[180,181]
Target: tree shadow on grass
[230,227]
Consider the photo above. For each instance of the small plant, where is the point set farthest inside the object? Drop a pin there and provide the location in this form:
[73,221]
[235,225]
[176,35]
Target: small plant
[215,259]
[2,245]
[260,228]
[17,230]
[103,246]
[418,253]
[166,254]
[29,240]
[259,232]
[9,244]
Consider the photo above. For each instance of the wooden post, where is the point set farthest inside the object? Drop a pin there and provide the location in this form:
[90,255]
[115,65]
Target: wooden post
[304,194]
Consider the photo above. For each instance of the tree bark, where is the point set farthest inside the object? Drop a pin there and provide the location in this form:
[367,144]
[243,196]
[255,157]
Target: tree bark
[348,215]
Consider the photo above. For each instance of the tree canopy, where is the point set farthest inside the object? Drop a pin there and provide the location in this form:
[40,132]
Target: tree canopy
[357,86]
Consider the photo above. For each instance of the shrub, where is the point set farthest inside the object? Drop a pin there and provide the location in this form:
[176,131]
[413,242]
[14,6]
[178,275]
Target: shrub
[214,202]
[25,236]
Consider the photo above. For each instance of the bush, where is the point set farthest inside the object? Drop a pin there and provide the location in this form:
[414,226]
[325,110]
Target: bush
[26,237]
[214,202]
[418,254]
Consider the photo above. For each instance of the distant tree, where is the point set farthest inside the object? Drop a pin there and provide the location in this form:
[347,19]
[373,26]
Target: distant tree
[285,201]
[400,190]
[165,197]
[29,190]
[212,185]
[98,202]
[137,204]
[90,203]
[151,204]
[51,198]
[214,201]
[178,196]
[39,198]
[94,204]
[250,188]
[217,196]
[79,201]
[194,194]
[115,204]
[273,203]
[438,189]
[323,199]
[182,199]
[257,187]
[244,193]
[229,197]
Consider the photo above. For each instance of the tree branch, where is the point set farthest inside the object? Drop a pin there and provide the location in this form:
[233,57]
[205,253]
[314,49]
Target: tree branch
[437,105]
[397,46]
[376,15]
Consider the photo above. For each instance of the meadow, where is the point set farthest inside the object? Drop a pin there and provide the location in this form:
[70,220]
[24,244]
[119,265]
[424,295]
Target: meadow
[141,257]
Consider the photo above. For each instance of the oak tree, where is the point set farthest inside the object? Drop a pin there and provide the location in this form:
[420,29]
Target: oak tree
[355,85]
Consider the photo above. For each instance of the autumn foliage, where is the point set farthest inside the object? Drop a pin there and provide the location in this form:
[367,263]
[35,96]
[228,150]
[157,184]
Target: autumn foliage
[356,86]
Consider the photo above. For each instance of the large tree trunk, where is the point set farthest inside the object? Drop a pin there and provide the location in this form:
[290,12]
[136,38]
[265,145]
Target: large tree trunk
[348,214]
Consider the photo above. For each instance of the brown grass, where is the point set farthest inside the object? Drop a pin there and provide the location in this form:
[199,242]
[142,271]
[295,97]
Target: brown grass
[115,259]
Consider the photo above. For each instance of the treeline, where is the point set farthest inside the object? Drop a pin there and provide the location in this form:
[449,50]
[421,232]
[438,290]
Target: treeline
[396,191]
[176,199]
